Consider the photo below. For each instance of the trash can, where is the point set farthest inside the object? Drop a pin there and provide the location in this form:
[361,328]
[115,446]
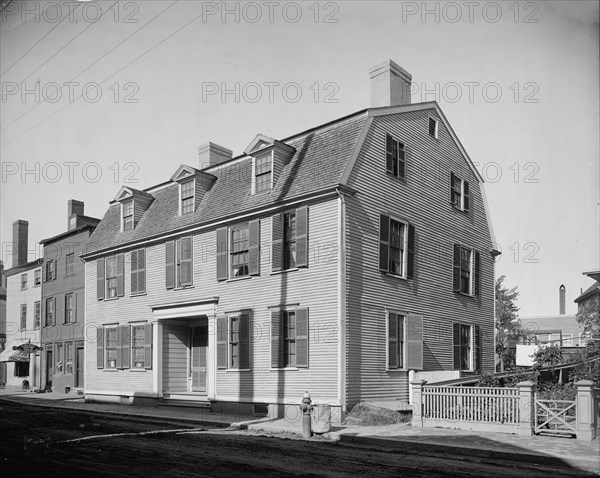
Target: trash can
[321,418]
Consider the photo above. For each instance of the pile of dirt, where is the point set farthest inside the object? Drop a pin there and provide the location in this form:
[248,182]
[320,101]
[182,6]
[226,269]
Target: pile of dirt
[364,414]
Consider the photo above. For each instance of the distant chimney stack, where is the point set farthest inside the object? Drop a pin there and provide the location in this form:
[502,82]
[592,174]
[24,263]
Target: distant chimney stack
[74,208]
[561,300]
[211,154]
[390,85]
[20,239]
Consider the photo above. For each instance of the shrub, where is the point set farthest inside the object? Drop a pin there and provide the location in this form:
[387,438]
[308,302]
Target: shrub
[556,391]
[370,415]
[488,380]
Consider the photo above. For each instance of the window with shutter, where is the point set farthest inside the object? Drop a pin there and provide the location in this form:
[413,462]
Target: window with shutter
[394,157]
[396,247]
[395,339]
[462,337]
[184,262]
[138,271]
[222,342]
[466,270]
[170,264]
[459,193]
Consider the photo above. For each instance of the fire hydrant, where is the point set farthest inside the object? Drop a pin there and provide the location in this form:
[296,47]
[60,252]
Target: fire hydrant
[306,408]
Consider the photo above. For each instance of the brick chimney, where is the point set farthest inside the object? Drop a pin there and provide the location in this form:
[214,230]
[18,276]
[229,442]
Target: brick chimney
[390,85]
[561,300]
[211,154]
[20,239]
[74,208]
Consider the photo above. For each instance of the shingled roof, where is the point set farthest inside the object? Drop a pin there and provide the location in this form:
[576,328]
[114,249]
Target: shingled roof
[322,154]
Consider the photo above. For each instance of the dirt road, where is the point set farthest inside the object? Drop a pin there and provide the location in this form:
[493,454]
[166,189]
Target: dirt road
[53,442]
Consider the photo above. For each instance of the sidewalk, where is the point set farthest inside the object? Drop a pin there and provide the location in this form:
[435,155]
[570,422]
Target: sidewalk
[561,452]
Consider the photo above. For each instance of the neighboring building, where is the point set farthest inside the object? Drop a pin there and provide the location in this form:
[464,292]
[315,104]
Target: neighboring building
[23,296]
[2,323]
[63,302]
[592,293]
[336,260]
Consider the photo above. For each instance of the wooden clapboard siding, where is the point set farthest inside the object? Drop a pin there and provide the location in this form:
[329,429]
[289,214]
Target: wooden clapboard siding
[175,356]
[424,200]
[314,287]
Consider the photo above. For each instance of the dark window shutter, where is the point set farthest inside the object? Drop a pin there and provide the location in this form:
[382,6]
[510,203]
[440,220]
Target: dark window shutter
[119,333]
[148,346]
[384,243]
[74,304]
[125,346]
[221,342]
[120,275]
[466,195]
[254,247]
[186,261]
[170,264]
[410,258]
[244,341]
[141,275]
[401,163]
[276,339]
[456,269]
[178,263]
[392,340]
[100,279]
[452,193]
[476,273]
[134,275]
[222,253]
[456,345]
[414,342]
[54,270]
[302,338]
[477,344]
[302,237]
[44,266]
[389,154]
[54,311]
[277,242]
[99,347]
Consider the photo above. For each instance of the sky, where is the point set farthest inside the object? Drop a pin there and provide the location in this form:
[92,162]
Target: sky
[100,95]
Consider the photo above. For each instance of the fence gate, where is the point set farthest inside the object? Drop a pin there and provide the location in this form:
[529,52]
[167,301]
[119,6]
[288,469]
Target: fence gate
[555,417]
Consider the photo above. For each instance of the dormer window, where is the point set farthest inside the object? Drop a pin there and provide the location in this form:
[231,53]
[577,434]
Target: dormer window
[128,215]
[263,167]
[187,197]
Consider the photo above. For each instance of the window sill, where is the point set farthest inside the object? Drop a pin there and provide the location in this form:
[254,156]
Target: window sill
[286,270]
[397,369]
[235,279]
[110,370]
[183,287]
[465,294]
[233,370]
[139,294]
[395,275]
[291,369]
[108,299]
[399,178]
[137,369]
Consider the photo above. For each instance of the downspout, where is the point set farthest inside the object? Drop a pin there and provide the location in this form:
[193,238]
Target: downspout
[341,300]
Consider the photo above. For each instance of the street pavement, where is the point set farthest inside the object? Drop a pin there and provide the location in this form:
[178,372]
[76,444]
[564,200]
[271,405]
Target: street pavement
[562,452]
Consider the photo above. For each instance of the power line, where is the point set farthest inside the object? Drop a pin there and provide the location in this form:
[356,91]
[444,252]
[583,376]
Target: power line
[94,63]
[107,78]
[6,6]
[38,42]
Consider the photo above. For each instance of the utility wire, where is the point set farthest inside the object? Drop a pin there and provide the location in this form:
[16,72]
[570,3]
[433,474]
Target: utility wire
[107,78]
[38,42]
[6,6]
[94,63]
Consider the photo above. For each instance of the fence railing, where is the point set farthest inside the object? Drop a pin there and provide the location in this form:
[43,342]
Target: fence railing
[489,404]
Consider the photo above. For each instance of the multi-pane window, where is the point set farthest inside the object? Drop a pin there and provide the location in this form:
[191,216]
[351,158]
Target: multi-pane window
[179,263]
[23,316]
[50,319]
[397,247]
[37,277]
[467,347]
[110,347]
[138,345]
[289,240]
[239,256]
[234,342]
[51,270]
[394,157]
[138,271]
[466,270]
[69,357]
[111,277]
[69,308]
[395,340]
[433,128]
[289,338]
[128,215]
[233,350]
[459,193]
[262,173]
[70,264]
[23,281]
[59,359]
[37,313]
[187,197]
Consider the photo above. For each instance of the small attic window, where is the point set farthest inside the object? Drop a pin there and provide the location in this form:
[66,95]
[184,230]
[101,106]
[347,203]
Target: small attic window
[433,128]
[187,197]
[263,168]
[127,208]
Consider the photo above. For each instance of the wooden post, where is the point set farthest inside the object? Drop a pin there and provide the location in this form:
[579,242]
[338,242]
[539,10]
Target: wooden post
[526,408]
[586,426]
[416,387]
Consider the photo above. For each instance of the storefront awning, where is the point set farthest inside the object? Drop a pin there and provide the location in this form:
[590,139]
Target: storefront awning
[18,351]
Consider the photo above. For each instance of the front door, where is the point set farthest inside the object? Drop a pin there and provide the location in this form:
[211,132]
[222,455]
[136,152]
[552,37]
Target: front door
[199,348]
[79,373]
[49,368]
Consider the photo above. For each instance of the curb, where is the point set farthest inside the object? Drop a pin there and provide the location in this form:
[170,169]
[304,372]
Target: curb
[454,450]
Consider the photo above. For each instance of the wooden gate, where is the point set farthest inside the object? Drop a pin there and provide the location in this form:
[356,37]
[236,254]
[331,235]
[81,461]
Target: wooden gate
[555,416]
